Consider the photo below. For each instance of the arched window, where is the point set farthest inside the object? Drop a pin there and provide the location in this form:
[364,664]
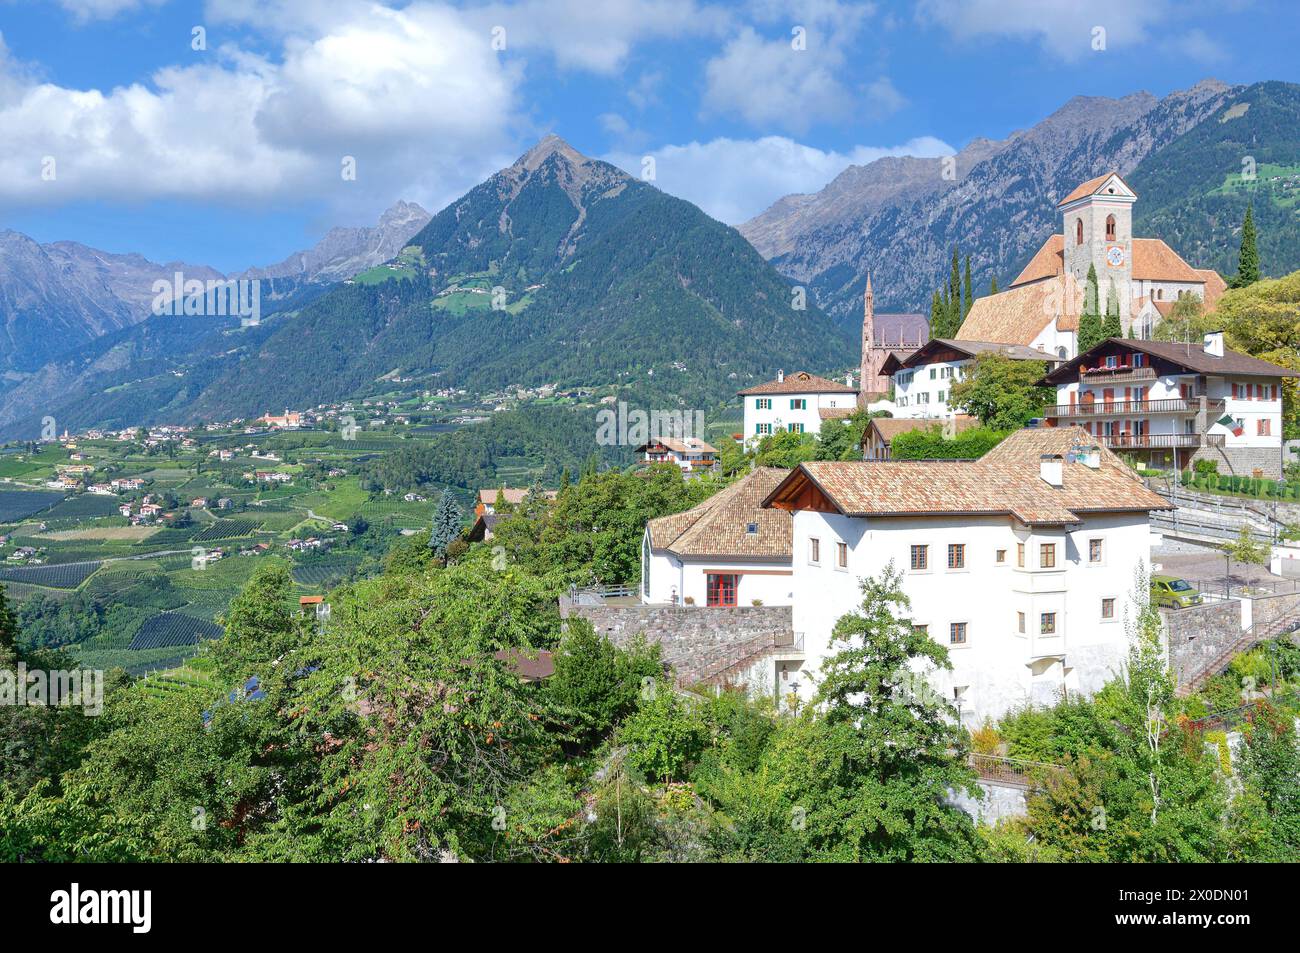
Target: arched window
[1078,231]
[1110,228]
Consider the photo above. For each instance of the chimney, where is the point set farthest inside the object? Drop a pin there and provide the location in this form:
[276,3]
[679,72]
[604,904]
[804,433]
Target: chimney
[1214,343]
[780,377]
[1090,457]
[848,380]
[1049,468]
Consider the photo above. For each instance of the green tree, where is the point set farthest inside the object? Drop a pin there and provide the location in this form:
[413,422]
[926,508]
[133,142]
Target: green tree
[596,681]
[447,524]
[1003,393]
[938,317]
[1090,325]
[664,735]
[1111,327]
[786,450]
[967,298]
[993,285]
[1269,764]
[1248,258]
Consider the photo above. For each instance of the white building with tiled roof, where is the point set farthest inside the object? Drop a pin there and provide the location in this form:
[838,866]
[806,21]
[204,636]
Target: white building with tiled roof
[1022,564]
[727,551]
[793,402]
[1041,307]
[923,379]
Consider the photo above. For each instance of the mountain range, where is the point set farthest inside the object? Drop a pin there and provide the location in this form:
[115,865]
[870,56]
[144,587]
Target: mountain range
[57,297]
[564,269]
[997,200]
[558,268]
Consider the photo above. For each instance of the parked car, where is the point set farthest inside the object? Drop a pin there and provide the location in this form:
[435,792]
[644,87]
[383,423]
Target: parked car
[1174,593]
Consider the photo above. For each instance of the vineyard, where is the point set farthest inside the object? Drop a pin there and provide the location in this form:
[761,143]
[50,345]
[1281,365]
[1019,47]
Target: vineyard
[17,505]
[227,529]
[65,576]
[173,628]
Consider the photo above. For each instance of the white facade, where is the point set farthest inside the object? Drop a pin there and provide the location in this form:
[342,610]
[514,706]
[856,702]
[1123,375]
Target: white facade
[669,579]
[925,391]
[767,414]
[998,667]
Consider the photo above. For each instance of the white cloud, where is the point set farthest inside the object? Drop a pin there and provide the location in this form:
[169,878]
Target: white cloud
[86,10]
[770,83]
[1063,27]
[408,93]
[735,179]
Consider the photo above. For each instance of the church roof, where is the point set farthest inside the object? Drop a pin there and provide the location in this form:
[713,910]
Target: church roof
[1215,286]
[800,382]
[971,348]
[1153,260]
[887,428]
[1019,314]
[892,330]
[1091,187]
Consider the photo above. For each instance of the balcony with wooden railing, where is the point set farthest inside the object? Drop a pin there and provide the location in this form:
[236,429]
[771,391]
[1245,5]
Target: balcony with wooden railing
[1120,373]
[1159,441]
[1133,408]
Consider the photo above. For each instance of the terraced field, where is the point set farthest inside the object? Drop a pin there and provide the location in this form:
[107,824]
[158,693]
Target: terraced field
[17,505]
[65,576]
[171,629]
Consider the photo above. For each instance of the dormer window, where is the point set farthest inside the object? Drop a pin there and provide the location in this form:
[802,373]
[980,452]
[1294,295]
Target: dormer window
[1110,228]
[1078,231]
[751,529]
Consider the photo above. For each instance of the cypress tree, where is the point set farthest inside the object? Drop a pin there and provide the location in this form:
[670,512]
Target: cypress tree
[993,285]
[1090,330]
[936,315]
[1248,262]
[1111,327]
[967,298]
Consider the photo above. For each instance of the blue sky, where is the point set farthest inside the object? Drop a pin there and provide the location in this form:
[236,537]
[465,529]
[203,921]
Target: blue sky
[231,154]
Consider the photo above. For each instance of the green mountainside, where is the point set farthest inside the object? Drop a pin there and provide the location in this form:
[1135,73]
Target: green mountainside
[559,269]
[1193,192]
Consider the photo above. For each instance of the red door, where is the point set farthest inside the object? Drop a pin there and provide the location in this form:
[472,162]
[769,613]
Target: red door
[721,588]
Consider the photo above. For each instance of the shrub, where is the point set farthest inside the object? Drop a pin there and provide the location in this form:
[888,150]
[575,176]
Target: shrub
[1206,466]
[664,737]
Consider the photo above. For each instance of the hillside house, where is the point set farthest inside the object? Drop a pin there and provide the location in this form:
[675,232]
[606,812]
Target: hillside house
[691,454]
[793,402]
[1021,563]
[727,551]
[1169,404]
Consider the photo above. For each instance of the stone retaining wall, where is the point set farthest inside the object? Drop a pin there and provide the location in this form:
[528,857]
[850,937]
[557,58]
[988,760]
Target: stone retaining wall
[1199,633]
[692,638]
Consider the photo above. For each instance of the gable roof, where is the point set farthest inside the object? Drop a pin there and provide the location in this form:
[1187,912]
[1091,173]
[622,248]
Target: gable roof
[1092,187]
[800,382]
[1215,286]
[1153,260]
[1192,357]
[684,445]
[1018,352]
[1008,484]
[1019,314]
[718,526]
[887,428]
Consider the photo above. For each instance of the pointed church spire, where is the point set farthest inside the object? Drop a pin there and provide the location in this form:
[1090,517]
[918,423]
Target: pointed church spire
[869,371]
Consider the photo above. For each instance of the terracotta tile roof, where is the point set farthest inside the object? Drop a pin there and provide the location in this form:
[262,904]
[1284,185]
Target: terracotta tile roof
[1153,260]
[1006,483]
[887,428]
[684,445]
[530,666]
[1090,188]
[512,495]
[800,382]
[1019,314]
[719,525]
[971,348]
[1215,286]
[1191,357]
[1047,261]
[835,413]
